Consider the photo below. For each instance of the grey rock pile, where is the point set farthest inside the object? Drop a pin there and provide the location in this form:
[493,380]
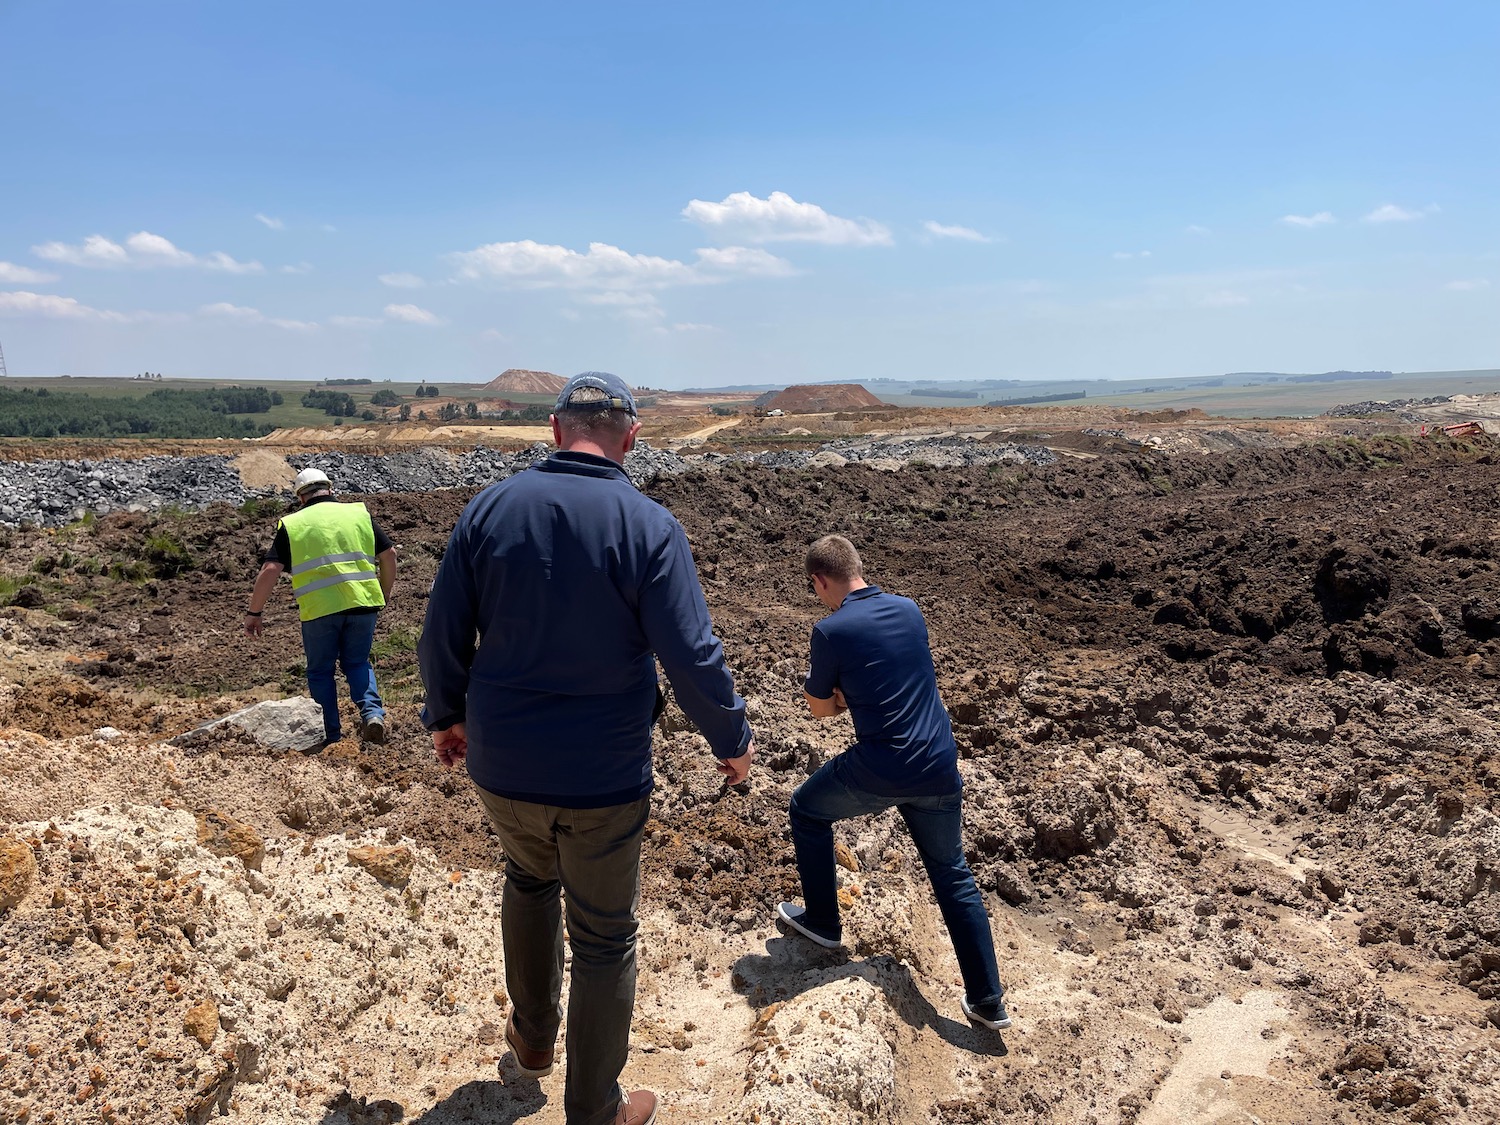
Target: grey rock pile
[52,493]
[1400,407]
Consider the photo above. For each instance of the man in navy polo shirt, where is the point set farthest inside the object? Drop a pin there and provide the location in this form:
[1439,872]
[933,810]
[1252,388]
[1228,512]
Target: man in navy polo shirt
[560,589]
[871,658]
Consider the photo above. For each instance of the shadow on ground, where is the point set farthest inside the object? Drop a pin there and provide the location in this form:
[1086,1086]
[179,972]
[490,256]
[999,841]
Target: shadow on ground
[495,1103]
[791,967]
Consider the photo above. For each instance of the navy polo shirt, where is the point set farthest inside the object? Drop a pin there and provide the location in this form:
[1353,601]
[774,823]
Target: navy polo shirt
[874,649]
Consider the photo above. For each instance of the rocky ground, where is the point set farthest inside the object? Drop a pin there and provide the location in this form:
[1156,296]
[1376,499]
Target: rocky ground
[1228,727]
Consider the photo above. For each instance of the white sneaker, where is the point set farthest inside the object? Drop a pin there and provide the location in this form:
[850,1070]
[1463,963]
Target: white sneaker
[792,914]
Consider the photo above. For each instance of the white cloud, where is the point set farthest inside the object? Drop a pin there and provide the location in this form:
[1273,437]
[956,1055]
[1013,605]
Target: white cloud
[223,310]
[219,260]
[355,321]
[1468,285]
[13,274]
[402,280]
[780,218]
[142,250]
[1031,287]
[744,260]
[1194,228]
[1223,299]
[689,326]
[145,248]
[329,228]
[493,336]
[411,314]
[49,306]
[299,268]
[1125,255]
[1390,213]
[95,250]
[964,234]
[626,305]
[1322,218]
[538,265]
[273,224]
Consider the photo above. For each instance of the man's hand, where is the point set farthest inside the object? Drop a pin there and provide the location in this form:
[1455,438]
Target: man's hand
[838,700]
[252,625]
[451,745]
[737,769]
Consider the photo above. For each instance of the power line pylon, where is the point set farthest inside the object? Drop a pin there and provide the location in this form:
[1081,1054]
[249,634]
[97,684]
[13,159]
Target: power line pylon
[3,372]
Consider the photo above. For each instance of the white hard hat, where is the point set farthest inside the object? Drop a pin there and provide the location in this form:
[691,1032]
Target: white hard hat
[310,478]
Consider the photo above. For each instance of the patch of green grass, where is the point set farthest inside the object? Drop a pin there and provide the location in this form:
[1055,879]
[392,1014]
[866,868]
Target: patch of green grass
[263,507]
[399,641]
[129,570]
[167,555]
[9,584]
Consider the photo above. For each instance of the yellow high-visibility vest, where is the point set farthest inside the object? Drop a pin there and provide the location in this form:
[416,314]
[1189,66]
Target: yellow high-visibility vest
[333,559]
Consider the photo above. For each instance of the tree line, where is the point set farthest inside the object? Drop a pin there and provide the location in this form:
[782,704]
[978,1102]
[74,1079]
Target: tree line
[162,413]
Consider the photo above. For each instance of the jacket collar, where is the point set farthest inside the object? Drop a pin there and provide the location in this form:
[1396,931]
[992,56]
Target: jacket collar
[581,464]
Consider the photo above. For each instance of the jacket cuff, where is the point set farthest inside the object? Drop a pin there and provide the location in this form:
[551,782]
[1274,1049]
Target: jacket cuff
[444,723]
[740,747]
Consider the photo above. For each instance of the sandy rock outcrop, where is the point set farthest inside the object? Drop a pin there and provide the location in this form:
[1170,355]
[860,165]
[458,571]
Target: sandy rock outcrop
[17,871]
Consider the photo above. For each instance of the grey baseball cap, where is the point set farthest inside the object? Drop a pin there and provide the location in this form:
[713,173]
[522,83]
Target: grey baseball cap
[596,390]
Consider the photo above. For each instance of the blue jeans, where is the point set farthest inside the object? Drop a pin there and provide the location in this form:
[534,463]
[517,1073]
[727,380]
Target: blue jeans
[341,639]
[936,826]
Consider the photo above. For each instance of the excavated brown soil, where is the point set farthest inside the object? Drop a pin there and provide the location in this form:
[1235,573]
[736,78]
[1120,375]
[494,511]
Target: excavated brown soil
[1228,730]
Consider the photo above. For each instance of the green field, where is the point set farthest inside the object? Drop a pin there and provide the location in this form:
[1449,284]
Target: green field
[1234,399]
[1266,400]
[290,413]
[1305,400]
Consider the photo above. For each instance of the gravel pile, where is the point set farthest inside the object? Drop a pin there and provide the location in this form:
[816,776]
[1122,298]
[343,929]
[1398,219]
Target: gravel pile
[52,493]
[1400,407]
[943,452]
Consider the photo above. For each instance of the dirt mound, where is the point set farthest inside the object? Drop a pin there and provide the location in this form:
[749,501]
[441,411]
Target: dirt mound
[519,381]
[1229,728]
[818,399]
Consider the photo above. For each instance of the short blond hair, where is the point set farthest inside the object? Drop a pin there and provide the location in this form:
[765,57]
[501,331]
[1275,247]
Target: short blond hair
[834,557]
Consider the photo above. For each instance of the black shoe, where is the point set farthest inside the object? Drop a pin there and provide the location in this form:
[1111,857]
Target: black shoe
[373,730]
[993,1016]
[792,915]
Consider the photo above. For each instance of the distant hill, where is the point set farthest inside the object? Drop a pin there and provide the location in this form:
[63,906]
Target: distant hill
[518,381]
[818,398]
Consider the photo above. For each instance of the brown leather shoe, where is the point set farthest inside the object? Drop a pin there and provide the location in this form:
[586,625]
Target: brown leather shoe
[637,1108]
[531,1064]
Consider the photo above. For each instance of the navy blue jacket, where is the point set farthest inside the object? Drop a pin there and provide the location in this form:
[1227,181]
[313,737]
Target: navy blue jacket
[874,649]
[569,579]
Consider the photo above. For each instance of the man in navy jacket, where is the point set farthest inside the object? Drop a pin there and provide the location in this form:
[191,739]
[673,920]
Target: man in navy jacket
[560,588]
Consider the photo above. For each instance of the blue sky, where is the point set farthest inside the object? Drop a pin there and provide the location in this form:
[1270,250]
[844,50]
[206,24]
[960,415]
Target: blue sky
[706,194]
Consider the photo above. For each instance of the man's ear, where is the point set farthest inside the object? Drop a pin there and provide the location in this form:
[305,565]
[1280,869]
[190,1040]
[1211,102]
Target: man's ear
[556,431]
[630,437]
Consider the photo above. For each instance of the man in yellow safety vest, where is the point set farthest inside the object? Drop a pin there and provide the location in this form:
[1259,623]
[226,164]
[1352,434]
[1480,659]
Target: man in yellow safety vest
[342,567]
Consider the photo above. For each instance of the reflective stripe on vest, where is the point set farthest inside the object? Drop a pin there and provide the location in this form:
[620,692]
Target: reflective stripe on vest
[333,559]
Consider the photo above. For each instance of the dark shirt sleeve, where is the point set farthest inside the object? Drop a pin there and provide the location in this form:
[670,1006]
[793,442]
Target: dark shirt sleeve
[281,549]
[675,620]
[382,540]
[446,651]
[822,668]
